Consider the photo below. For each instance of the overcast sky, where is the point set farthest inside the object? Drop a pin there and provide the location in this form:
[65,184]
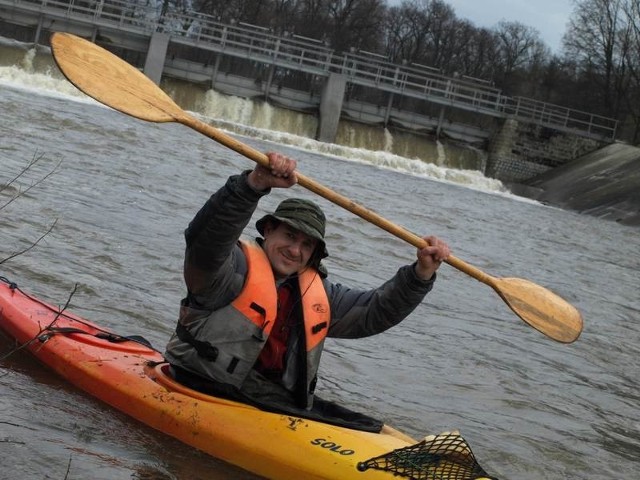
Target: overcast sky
[549,17]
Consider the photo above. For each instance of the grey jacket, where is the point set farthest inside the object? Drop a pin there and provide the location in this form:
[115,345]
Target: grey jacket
[215,268]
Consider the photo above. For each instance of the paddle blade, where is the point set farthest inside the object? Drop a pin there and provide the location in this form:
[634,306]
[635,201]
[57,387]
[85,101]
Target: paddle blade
[110,80]
[543,310]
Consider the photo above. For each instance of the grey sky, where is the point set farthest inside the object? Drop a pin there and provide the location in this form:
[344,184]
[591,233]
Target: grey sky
[549,17]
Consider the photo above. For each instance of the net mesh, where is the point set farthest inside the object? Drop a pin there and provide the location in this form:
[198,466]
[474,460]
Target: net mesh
[438,457]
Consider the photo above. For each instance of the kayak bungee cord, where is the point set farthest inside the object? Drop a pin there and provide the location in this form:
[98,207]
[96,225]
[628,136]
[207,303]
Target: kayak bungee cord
[50,330]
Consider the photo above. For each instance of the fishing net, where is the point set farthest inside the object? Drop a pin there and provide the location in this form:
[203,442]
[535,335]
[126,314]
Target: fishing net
[438,457]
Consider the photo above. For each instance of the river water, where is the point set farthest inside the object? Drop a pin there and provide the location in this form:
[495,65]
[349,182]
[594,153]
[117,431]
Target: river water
[121,193]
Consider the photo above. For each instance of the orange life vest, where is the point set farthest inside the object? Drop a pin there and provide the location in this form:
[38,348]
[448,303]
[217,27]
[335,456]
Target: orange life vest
[223,345]
[260,284]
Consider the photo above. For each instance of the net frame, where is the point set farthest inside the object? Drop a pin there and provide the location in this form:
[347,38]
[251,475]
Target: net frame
[446,456]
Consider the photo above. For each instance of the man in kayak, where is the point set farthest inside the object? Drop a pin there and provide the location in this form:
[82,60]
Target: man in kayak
[253,324]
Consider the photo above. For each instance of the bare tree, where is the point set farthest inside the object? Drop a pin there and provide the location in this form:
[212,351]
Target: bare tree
[519,52]
[399,35]
[286,14]
[471,52]
[592,40]
[441,34]
[420,31]
[356,23]
[312,20]
[231,11]
[631,49]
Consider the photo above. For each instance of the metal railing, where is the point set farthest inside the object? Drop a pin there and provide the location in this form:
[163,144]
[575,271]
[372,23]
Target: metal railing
[311,56]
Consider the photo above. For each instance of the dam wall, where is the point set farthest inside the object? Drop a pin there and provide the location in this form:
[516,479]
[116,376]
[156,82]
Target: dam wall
[519,152]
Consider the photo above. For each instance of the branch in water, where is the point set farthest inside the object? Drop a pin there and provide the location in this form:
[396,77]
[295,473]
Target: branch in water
[36,158]
[42,335]
[13,255]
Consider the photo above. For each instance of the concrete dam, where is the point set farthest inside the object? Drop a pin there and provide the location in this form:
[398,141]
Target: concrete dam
[546,152]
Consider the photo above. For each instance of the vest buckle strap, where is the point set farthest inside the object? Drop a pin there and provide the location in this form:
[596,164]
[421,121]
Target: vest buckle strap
[204,349]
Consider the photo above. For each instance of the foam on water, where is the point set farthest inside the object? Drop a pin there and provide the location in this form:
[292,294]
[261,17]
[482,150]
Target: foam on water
[378,158]
[23,75]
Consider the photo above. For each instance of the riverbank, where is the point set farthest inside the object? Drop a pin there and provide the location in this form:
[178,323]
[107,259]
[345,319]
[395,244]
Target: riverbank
[604,183]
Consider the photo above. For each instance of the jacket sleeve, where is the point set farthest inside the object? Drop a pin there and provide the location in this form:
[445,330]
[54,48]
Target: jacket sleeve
[213,257]
[362,313]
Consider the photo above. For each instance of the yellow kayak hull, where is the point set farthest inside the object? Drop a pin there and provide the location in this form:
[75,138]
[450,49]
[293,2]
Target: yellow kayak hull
[132,378]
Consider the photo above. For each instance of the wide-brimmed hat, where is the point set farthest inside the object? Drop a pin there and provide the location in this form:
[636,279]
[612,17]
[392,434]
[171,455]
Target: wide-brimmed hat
[303,215]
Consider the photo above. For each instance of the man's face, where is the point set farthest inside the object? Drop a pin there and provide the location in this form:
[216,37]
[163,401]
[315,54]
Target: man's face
[288,249]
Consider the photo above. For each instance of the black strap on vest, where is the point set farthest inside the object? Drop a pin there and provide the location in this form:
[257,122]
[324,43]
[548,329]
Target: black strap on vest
[204,349]
[318,327]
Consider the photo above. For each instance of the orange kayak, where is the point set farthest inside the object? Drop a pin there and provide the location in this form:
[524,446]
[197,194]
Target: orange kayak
[133,377]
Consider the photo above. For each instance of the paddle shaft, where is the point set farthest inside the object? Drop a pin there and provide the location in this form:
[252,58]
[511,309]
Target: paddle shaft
[325,192]
[537,306]
[115,83]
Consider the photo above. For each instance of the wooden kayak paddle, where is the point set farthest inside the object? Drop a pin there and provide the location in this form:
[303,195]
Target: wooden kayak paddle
[115,83]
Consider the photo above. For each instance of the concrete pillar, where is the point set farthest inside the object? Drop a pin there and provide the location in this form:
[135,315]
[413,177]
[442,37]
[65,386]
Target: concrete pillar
[156,55]
[500,158]
[330,107]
